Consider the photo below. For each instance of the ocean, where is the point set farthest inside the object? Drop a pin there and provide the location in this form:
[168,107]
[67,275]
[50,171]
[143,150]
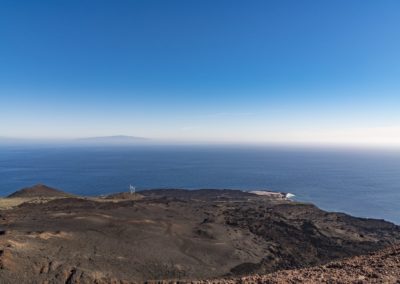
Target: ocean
[364,183]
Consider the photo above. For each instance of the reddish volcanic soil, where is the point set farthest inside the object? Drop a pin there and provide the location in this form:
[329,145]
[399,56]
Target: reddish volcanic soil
[379,267]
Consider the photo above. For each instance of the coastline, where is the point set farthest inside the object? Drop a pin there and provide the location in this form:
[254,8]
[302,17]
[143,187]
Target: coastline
[175,234]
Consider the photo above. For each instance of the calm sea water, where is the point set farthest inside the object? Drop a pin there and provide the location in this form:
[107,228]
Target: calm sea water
[362,183]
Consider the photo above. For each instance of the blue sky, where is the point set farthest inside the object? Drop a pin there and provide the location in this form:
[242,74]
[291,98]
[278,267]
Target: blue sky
[233,71]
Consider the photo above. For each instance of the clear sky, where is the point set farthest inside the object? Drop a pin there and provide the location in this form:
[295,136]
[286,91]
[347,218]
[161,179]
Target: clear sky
[199,70]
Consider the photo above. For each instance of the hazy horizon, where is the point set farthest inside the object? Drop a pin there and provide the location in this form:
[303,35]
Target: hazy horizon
[142,141]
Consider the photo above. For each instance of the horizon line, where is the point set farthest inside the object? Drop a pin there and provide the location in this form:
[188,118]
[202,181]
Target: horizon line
[142,141]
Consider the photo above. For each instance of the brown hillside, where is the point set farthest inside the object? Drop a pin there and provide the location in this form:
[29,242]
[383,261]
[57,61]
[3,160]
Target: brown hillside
[38,190]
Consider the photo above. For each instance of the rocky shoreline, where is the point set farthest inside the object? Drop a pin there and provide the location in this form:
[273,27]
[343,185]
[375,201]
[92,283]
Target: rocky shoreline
[176,235]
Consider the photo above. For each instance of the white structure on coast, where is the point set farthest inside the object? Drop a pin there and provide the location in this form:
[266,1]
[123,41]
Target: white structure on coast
[279,195]
[132,189]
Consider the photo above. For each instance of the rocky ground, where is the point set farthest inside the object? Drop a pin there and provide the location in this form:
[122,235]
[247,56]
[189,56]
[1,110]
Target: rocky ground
[179,234]
[382,266]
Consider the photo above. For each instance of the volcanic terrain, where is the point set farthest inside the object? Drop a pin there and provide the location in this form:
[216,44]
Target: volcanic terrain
[177,235]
